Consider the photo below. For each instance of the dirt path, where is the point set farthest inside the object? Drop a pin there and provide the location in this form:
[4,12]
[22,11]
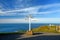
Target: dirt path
[38,34]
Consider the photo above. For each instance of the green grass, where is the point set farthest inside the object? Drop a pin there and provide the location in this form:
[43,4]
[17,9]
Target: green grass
[50,29]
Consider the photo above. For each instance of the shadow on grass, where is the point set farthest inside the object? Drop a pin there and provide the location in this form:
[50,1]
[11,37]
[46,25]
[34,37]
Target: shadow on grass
[37,33]
[10,36]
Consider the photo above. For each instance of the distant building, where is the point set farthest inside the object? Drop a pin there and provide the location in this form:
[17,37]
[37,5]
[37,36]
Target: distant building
[51,25]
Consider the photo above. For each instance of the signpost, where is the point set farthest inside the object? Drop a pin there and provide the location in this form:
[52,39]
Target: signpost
[29,32]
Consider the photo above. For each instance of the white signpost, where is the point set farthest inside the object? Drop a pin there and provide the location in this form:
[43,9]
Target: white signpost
[29,18]
[29,22]
[29,32]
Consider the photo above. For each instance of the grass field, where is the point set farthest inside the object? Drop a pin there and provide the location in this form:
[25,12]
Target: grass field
[46,29]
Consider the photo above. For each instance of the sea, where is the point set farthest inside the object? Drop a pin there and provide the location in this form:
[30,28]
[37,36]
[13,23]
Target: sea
[13,27]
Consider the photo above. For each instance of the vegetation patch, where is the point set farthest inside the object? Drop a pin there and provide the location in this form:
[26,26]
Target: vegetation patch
[51,29]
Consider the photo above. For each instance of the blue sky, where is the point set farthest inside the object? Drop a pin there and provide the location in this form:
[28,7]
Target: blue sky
[18,9]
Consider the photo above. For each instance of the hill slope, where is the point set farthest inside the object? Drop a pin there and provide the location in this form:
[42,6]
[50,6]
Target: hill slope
[53,29]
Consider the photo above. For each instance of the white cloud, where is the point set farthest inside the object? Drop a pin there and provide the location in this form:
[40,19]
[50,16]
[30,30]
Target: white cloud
[47,20]
[50,5]
[35,20]
[33,10]
[12,20]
